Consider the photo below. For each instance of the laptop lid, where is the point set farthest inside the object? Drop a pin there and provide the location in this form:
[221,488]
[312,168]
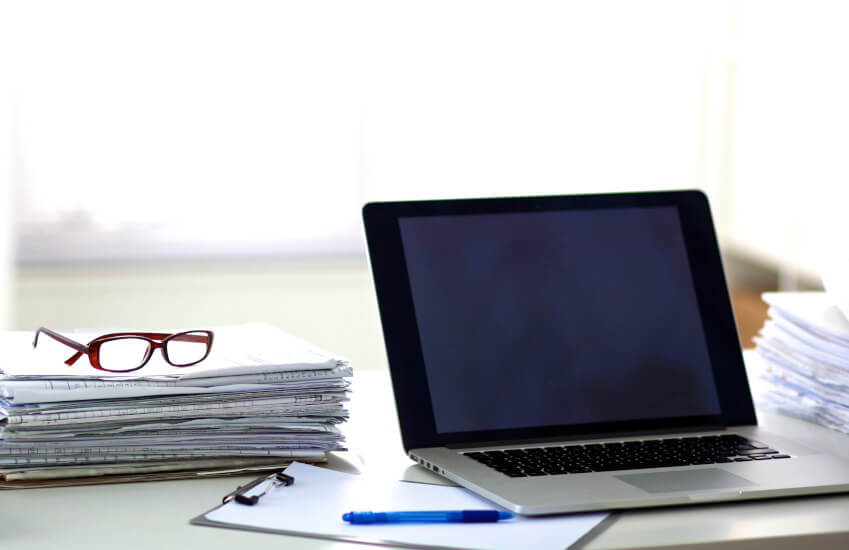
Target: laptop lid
[555,317]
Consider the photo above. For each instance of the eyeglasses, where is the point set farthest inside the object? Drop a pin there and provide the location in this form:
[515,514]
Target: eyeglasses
[129,351]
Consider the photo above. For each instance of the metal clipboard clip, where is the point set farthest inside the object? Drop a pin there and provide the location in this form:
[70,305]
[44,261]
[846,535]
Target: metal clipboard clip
[277,479]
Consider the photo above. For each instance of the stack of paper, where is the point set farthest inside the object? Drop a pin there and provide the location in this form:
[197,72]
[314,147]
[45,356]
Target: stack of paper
[261,398]
[805,344]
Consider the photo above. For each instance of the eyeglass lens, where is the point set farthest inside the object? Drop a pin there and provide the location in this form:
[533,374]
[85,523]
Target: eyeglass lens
[123,354]
[187,348]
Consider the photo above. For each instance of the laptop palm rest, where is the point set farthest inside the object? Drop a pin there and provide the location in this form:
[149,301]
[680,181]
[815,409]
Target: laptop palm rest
[707,479]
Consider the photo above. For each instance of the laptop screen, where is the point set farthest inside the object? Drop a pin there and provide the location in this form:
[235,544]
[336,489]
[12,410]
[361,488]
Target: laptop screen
[559,317]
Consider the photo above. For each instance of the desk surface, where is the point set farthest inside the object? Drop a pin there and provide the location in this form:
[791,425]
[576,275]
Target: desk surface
[156,514]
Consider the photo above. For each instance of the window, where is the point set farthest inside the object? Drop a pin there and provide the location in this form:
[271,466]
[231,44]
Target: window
[189,128]
[791,133]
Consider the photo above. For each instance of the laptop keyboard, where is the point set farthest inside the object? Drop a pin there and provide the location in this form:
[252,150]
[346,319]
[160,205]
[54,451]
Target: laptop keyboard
[627,455]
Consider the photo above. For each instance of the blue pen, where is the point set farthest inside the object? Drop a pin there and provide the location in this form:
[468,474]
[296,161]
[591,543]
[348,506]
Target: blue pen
[434,516]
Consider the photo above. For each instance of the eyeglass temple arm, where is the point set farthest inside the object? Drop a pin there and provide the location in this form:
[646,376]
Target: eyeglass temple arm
[81,349]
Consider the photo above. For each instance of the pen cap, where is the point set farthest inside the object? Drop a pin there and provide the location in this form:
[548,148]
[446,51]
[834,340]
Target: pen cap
[479,516]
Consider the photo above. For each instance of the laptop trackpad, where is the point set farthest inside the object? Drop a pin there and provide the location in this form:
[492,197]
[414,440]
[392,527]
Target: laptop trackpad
[692,480]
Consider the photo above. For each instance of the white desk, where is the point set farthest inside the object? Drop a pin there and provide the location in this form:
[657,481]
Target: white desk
[155,515]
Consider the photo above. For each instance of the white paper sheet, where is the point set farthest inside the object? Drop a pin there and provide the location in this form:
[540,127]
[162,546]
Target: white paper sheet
[314,505]
[814,311]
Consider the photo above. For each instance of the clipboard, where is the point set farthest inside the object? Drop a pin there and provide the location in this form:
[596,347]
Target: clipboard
[312,507]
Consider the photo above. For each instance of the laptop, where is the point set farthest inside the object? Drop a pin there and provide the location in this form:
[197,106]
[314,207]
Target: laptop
[575,353]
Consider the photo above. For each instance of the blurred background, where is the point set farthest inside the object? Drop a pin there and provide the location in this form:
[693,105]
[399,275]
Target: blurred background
[189,164]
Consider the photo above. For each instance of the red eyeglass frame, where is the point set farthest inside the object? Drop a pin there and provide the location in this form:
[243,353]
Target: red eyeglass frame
[156,340]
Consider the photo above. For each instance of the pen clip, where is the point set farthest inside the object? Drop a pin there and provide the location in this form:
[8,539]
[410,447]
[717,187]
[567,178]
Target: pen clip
[277,479]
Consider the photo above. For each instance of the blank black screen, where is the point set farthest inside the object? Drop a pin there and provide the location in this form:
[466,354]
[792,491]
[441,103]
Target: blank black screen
[557,318]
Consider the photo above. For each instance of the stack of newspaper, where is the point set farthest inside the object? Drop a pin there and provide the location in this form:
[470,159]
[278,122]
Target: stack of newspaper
[260,399]
[805,351]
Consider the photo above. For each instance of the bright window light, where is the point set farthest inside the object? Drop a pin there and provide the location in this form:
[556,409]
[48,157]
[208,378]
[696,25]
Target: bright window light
[194,128]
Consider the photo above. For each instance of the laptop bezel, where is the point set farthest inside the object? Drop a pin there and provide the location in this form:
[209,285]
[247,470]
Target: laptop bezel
[403,346]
